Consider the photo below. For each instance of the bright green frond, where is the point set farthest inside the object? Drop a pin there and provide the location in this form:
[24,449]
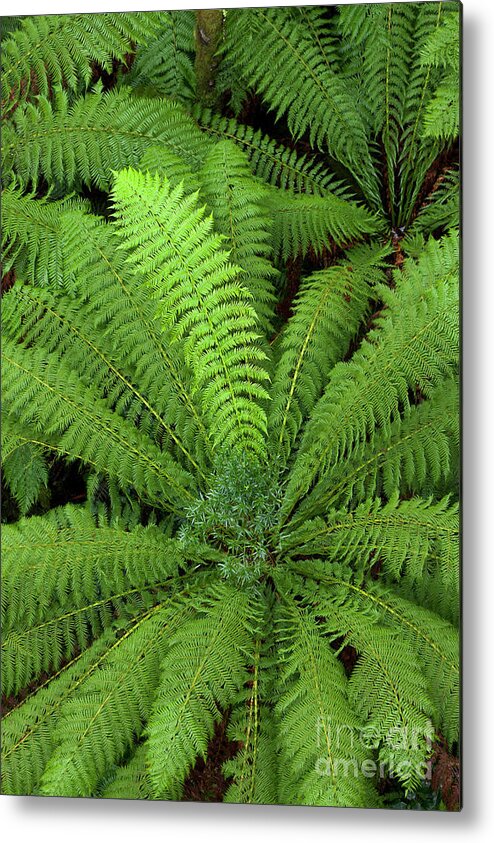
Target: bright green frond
[205,666]
[200,302]
[414,347]
[320,754]
[237,202]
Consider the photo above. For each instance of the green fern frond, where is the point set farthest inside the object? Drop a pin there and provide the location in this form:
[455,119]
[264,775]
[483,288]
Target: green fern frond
[236,200]
[262,44]
[254,769]
[28,728]
[164,62]
[62,560]
[45,395]
[415,346]
[24,467]
[327,312]
[272,162]
[130,780]
[389,692]
[83,142]
[416,456]
[202,672]
[410,541]
[46,51]
[200,302]
[31,241]
[442,114]
[98,724]
[319,756]
[302,222]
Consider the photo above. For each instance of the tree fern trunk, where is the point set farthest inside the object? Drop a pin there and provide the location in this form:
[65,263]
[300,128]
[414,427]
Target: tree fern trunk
[209,27]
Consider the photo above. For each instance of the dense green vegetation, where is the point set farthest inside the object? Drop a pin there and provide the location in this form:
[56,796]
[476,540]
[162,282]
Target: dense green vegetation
[231,309]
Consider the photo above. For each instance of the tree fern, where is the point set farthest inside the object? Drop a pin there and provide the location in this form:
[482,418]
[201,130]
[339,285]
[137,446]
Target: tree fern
[243,334]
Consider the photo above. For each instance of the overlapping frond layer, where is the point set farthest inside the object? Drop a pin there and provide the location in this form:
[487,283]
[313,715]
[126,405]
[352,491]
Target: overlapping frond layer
[348,604]
[24,466]
[416,456]
[236,200]
[265,45]
[379,45]
[145,381]
[164,63]
[327,312]
[415,346]
[199,302]
[442,50]
[99,723]
[389,692]
[254,768]
[46,51]
[64,560]
[28,729]
[442,209]
[130,780]
[31,242]
[411,543]
[205,666]
[47,397]
[274,163]
[304,222]
[85,141]
[319,756]
[418,152]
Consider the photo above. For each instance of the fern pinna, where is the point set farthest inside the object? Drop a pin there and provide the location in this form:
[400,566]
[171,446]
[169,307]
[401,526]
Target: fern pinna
[271,480]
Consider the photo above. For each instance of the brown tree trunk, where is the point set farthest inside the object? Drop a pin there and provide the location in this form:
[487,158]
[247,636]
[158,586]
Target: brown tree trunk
[209,29]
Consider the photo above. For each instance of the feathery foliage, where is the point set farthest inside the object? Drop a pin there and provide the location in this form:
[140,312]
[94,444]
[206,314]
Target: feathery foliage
[240,326]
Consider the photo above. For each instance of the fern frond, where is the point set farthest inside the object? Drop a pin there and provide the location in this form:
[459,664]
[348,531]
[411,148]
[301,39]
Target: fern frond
[46,51]
[413,542]
[98,724]
[415,346]
[85,141]
[200,302]
[442,114]
[380,43]
[389,693]
[441,211]
[203,670]
[416,456]
[130,780]
[31,241]
[28,728]
[164,63]
[46,396]
[303,222]
[320,758]
[63,559]
[272,162]
[24,467]
[434,639]
[236,200]
[264,44]
[254,769]
[327,312]
[418,152]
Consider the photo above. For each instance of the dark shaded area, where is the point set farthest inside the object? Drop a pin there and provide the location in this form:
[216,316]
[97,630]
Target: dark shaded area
[206,782]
